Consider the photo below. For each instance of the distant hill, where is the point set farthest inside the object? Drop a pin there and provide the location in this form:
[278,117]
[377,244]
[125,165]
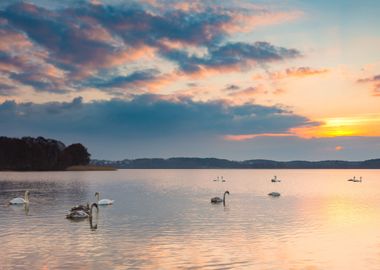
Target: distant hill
[40,154]
[215,163]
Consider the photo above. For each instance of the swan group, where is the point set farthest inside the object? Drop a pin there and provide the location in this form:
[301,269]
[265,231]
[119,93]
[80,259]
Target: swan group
[354,179]
[85,211]
[219,179]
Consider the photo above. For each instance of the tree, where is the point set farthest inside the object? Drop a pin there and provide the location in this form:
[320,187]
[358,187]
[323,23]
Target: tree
[75,154]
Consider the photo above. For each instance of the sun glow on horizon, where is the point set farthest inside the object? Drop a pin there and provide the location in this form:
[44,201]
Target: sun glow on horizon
[368,126]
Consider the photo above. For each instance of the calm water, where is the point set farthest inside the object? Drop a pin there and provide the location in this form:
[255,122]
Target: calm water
[163,219]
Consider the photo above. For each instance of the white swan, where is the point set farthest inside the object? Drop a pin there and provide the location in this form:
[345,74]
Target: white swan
[274,194]
[21,200]
[274,179]
[103,201]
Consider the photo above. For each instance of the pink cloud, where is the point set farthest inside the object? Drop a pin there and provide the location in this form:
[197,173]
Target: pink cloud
[244,137]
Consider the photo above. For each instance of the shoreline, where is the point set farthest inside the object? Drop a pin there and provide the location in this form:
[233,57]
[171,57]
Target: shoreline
[104,169]
[78,168]
[81,168]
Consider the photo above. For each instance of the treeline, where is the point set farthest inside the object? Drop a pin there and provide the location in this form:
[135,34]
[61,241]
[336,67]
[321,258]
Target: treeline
[215,163]
[40,154]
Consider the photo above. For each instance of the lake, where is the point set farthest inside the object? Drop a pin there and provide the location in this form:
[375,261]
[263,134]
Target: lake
[163,219]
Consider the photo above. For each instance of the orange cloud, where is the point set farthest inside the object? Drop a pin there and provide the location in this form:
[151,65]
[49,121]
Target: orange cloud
[12,41]
[304,71]
[297,72]
[338,148]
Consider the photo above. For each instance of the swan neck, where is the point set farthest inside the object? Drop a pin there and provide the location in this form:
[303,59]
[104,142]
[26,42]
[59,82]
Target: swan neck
[26,197]
[97,196]
[92,206]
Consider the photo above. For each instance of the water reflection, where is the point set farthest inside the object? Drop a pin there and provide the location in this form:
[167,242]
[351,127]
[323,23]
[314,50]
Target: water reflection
[163,219]
[17,208]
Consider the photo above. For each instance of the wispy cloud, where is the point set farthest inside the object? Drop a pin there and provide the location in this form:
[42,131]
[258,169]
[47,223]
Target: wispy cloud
[231,56]
[299,72]
[374,81]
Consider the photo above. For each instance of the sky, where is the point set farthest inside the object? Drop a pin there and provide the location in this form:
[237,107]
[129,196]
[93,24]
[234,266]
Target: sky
[282,80]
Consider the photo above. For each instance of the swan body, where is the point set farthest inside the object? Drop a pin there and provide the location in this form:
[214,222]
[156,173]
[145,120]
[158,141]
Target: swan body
[274,179]
[81,207]
[21,200]
[274,194]
[219,200]
[103,201]
[77,214]
[216,200]
[81,213]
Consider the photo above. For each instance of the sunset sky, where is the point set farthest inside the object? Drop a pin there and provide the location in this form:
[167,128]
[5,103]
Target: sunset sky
[278,80]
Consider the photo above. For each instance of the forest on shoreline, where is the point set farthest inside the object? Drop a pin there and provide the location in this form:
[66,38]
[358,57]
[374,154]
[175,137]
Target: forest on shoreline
[40,154]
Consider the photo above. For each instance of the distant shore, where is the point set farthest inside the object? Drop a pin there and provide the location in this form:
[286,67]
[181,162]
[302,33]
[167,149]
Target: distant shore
[216,163]
[90,168]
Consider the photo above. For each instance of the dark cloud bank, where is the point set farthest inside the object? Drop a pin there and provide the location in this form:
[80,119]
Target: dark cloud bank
[144,120]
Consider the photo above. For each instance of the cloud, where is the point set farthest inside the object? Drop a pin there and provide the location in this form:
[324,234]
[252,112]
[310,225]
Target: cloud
[339,148]
[304,71]
[299,72]
[230,56]
[376,90]
[244,137]
[374,81]
[40,82]
[232,87]
[247,94]
[145,116]
[132,80]
[6,89]
[82,40]
[375,78]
